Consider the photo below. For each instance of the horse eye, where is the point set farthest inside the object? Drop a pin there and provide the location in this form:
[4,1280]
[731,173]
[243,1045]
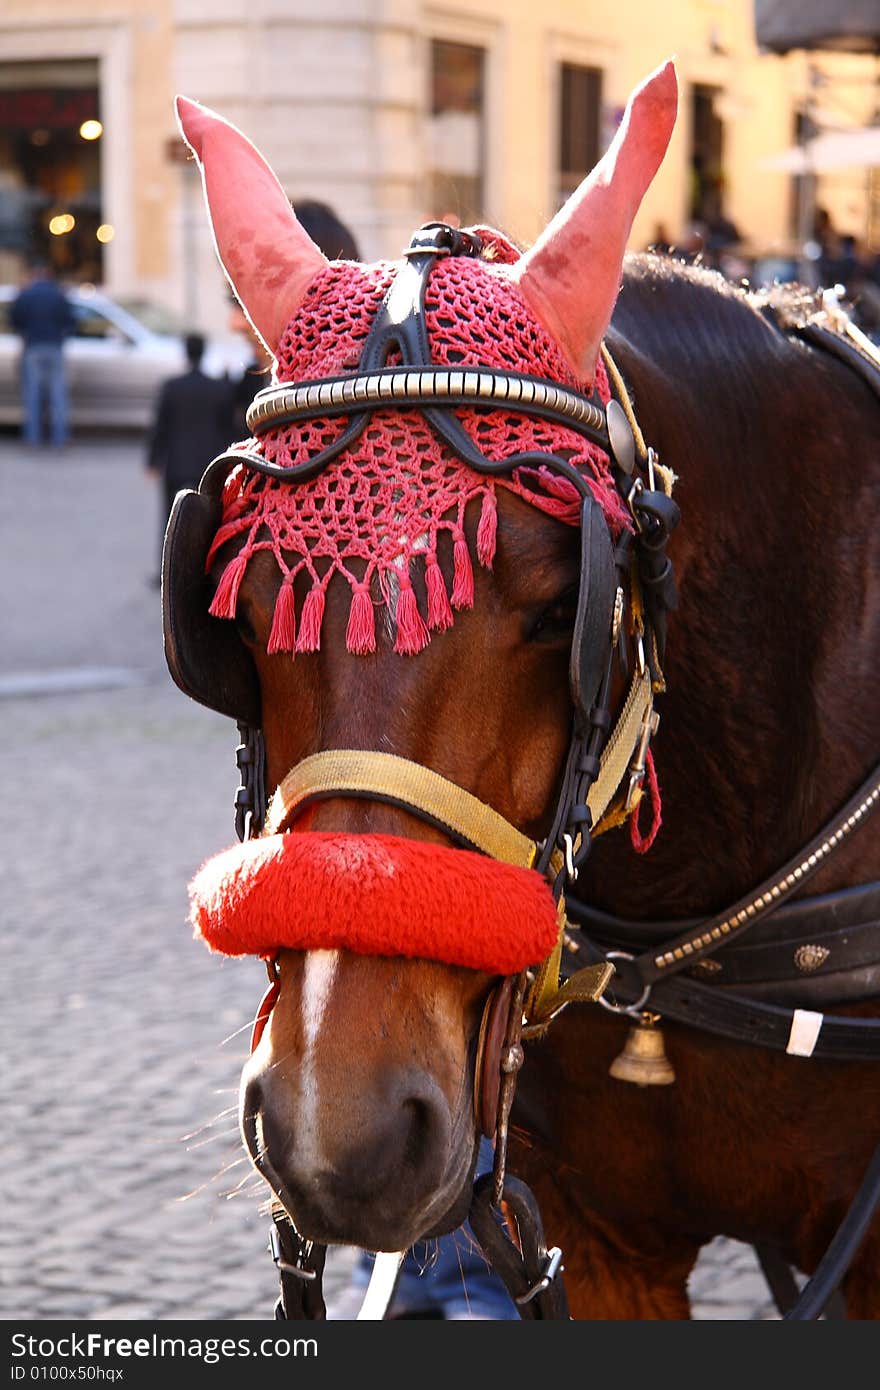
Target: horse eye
[555,622]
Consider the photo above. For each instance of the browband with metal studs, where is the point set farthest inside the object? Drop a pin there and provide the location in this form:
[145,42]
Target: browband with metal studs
[282,404]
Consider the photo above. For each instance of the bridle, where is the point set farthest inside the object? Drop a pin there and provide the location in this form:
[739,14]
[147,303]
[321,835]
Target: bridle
[605,764]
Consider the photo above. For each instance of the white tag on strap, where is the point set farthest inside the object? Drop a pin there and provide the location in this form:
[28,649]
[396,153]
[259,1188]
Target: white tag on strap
[805,1029]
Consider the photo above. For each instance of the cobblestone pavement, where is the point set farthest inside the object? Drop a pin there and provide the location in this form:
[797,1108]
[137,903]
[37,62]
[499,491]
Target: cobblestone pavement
[125,1189]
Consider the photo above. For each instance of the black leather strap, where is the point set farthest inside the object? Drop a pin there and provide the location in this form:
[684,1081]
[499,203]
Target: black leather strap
[843,1249]
[815,952]
[300,1265]
[684,951]
[532,1274]
[748,1020]
[845,348]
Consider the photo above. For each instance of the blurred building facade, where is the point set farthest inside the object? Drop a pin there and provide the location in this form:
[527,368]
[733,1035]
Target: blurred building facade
[392,111]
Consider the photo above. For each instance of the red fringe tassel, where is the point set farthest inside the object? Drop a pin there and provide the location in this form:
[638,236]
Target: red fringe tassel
[412,635]
[309,639]
[487,530]
[439,610]
[282,638]
[226,597]
[360,635]
[463,575]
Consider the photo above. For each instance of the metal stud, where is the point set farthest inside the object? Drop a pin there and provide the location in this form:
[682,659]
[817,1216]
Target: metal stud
[620,437]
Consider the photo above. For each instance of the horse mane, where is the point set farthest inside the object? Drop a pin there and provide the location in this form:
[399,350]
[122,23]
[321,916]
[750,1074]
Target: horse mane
[770,439]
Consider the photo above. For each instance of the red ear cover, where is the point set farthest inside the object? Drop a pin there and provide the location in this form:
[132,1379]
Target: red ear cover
[379,895]
[570,277]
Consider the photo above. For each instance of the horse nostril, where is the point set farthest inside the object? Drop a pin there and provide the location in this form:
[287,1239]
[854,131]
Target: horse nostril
[418,1123]
[250,1109]
[421,1125]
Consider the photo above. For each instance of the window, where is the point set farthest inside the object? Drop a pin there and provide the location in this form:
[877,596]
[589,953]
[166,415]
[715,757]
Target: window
[456,132]
[803,186]
[580,114]
[707,154]
[50,168]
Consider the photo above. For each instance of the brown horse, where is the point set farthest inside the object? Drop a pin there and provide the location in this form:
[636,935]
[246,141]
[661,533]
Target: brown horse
[358,1101]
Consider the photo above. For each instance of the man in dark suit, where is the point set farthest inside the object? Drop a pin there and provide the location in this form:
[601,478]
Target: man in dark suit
[194,421]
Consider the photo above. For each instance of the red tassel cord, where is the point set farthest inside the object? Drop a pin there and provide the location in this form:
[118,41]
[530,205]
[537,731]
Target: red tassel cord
[360,635]
[487,530]
[439,609]
[282,638]
[412,635]
[225,599]
[641,844]
[309,639]
[463,574]
[226,532]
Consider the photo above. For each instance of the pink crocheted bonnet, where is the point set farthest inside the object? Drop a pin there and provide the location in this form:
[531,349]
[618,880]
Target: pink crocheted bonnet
[397,498]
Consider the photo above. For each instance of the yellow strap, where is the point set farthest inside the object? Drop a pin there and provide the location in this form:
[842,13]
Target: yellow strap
[345,770]
[621,745]
[546,983]
[584,986]
[364,773]
[622,396]
[666,475]
[547,997]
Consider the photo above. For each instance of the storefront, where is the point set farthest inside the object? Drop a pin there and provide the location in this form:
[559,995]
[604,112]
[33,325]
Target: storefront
[50,169]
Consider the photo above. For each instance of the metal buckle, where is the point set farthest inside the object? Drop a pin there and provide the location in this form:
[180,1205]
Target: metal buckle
[639,762]
[275,1252]
[635,1010]
[571,869]
[552,1266]
[633,492]
[617,615]
[652,459]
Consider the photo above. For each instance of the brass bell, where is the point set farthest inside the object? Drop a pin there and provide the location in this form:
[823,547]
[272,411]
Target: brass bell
[643,1059]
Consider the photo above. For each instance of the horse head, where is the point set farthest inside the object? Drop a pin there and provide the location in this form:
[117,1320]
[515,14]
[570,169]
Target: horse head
[401,579]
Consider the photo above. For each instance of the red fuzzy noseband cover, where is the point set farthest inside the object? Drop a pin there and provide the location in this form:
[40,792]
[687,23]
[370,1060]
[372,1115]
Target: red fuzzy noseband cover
[374,894]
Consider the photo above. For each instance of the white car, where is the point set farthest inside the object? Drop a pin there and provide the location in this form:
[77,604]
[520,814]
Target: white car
[120,355]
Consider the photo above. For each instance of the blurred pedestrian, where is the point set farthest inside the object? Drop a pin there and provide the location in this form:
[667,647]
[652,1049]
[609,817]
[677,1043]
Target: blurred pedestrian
[337,241]
[194,421]
[327,230]
[43,317]
[256,372]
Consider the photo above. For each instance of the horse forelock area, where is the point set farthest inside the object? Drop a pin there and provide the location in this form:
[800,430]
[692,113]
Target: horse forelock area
[396,501]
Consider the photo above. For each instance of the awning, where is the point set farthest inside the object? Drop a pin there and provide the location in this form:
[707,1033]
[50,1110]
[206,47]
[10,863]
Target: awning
[852,26]
[838,149]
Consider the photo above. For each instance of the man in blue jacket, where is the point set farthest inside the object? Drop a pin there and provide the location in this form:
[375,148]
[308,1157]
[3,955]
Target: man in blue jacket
[43,317]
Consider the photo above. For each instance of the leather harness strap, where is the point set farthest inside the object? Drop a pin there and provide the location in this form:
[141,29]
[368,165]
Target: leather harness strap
[386,777]
[400,782]
[652,973]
